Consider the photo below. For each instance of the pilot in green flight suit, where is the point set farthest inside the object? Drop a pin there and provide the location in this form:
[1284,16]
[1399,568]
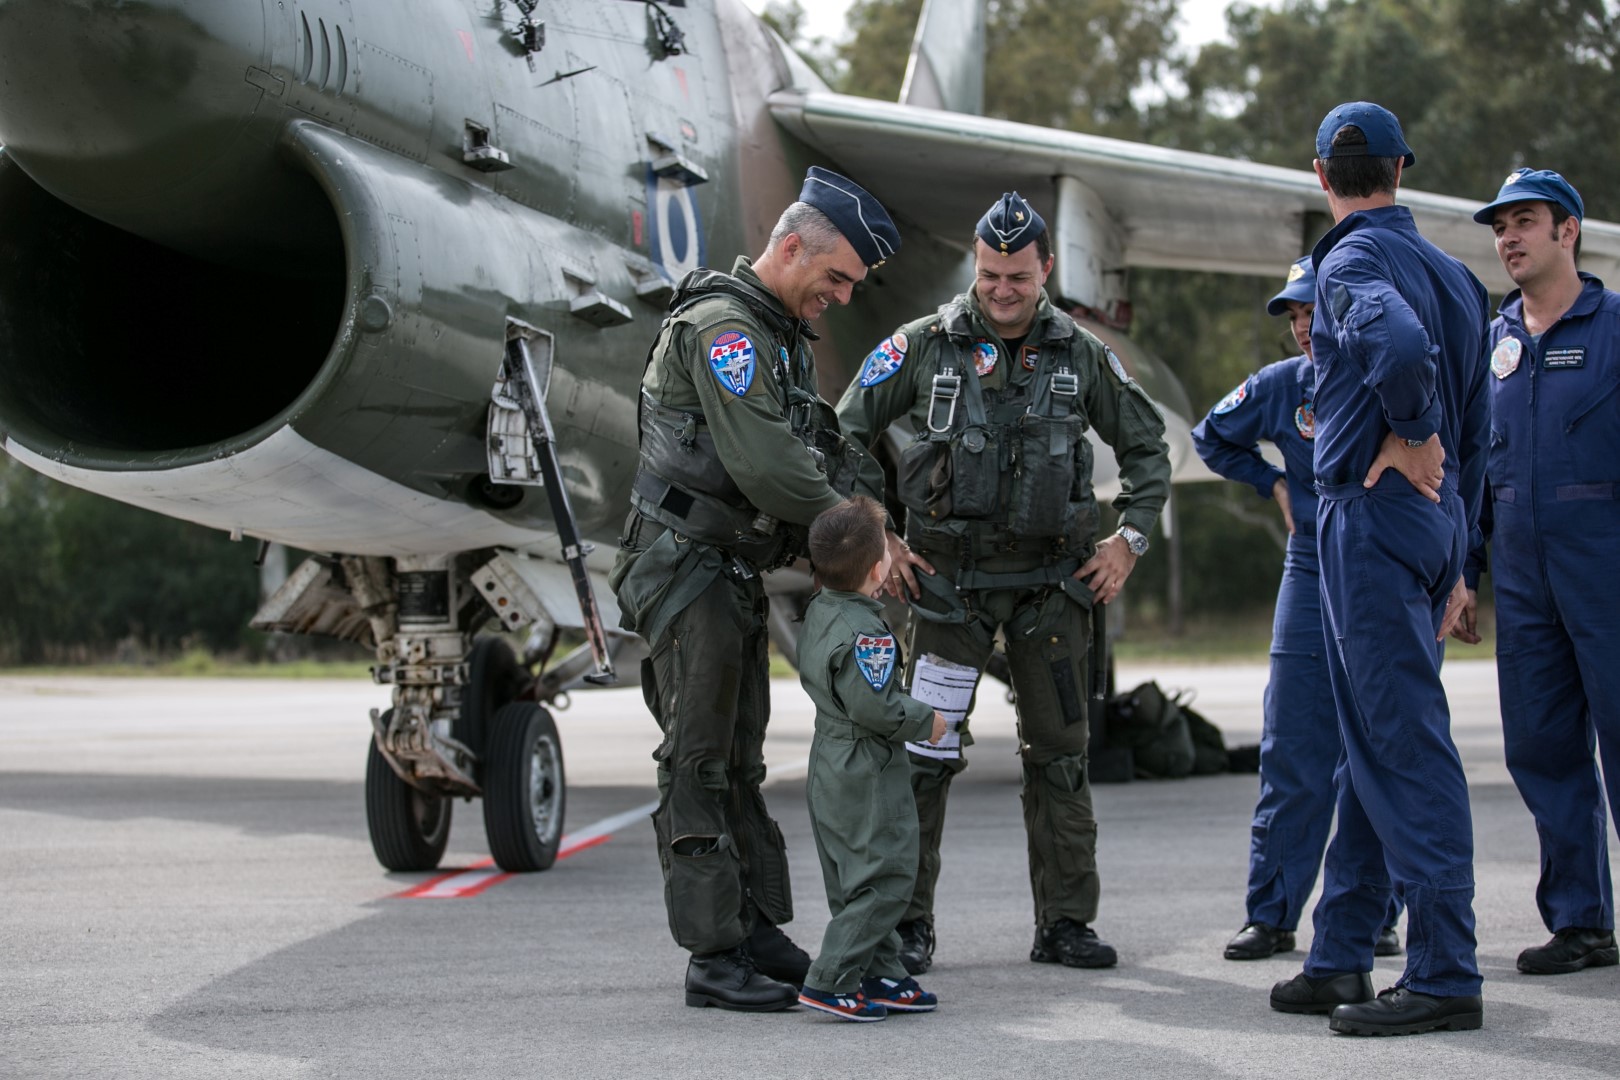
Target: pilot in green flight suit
[1001,387]
[738,455]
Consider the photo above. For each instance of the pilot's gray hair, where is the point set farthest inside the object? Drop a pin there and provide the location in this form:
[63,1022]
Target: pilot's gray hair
[816,230]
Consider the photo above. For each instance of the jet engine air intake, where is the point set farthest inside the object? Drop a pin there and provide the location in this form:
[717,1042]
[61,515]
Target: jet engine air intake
[118,347]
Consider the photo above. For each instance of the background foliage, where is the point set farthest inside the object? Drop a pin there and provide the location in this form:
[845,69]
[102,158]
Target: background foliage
[1481,86]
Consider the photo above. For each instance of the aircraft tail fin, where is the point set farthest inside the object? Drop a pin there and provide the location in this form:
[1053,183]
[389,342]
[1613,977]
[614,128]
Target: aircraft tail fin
[946,67]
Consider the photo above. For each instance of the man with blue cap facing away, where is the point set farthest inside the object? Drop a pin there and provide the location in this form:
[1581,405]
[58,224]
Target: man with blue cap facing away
[1554,476]
[738,455]
[1300,743]
[1000,387]
[1402,423]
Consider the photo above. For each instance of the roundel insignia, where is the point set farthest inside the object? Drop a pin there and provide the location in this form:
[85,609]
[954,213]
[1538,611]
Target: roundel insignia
[731,358]
[884,360]
[984,357]
[1232,400]
[1115,366]
[874,655]
[1305,420]
[1505,357]
[676,226]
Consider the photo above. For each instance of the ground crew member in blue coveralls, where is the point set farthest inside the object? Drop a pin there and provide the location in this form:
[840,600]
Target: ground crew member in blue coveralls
[859,788]
[738,454]
[1554,527]
[1299,745]
[1000,387]
[1402,423]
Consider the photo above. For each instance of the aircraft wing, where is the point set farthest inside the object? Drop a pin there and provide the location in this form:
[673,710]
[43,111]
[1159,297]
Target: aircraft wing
[1170,209]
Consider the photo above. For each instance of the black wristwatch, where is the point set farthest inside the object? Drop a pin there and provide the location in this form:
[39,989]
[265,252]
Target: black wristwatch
[1133,540]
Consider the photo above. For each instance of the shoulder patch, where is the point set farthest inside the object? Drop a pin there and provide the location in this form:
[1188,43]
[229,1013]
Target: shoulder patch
[874,655]
[1115,366]
[731,358]
[1232,400]
[884,360]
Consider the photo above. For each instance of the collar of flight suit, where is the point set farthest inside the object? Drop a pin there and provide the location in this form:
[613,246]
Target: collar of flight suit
[1591,296]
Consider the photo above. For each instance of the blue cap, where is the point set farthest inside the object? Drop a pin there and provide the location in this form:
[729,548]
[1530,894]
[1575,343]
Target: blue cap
[861,218]
[1383,131]
[1300,285]
[1534,185]
[1010,225]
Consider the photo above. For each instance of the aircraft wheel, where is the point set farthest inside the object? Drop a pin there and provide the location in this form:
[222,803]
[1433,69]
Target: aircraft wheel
[409,828]
[525,795]
[494,678]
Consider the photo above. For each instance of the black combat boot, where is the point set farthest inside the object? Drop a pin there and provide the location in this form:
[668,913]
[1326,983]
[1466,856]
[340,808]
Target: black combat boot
[728,980]
[1071,944]
[916,945]
[1571,949]
[775,955]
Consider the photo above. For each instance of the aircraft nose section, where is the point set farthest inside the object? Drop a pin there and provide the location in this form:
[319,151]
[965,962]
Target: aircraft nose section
[111,105]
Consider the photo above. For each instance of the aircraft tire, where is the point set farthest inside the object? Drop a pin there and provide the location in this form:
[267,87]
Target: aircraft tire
[409,828]
[525,792]
[494,678]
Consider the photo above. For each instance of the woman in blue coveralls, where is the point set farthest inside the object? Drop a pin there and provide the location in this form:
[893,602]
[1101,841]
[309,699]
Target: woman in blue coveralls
[1300,743]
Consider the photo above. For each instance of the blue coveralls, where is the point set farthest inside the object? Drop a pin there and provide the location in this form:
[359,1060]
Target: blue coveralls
[1555,483]
[1299,746]
[1399,342]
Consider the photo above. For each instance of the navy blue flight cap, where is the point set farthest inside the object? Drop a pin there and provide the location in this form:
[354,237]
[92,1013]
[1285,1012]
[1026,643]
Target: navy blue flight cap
[861,218]
[1300,286]
[1383,131]
[1534,185]
[1010,225]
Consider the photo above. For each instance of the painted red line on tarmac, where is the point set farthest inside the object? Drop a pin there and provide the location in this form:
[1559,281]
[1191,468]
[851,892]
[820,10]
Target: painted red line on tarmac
[482,875]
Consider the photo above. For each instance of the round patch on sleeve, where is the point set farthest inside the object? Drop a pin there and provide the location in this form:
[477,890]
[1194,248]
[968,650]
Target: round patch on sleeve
[874,655]
[884,360]
[1232,400]
[731,358]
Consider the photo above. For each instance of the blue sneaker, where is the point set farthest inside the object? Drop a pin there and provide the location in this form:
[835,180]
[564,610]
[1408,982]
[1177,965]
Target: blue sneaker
[903,995]
[853,1006]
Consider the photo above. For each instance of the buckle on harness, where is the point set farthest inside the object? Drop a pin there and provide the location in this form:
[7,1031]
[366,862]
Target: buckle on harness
[947,388]
[1065,383]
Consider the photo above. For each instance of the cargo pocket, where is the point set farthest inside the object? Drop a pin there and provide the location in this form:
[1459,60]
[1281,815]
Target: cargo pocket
[975,462]
[1045,476]
[702,890]
[923,479]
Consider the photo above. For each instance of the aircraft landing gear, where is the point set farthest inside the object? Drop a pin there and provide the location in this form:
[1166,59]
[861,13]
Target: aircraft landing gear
[525,794]
[409,827]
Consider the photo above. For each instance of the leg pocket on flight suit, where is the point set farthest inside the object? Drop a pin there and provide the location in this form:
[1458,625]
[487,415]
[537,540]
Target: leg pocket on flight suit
[766,853]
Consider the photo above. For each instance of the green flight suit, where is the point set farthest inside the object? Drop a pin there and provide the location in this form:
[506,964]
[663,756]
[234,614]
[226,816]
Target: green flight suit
[733,364]
[859,789]
[1000,566]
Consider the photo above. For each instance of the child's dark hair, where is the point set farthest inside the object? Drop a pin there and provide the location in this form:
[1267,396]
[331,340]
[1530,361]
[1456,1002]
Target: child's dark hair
[846,542]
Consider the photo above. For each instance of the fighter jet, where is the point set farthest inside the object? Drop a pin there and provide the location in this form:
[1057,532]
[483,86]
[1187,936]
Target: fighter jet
[377,279]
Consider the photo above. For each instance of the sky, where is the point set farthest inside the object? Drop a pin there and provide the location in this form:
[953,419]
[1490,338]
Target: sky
[1200,21]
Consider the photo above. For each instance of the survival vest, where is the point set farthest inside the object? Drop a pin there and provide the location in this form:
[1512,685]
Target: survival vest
[1001,466]
[681,479]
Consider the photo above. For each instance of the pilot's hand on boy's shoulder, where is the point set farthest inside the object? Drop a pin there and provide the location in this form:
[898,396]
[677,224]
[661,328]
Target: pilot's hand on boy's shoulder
[939,727]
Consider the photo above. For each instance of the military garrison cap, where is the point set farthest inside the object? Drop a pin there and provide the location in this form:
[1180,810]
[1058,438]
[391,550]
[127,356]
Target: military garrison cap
[1534,185]
[1010,225]
[1300,285]
[855,213]
[1378,124]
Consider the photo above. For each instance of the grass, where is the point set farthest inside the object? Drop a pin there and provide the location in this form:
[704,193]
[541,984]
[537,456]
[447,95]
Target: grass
[199,663]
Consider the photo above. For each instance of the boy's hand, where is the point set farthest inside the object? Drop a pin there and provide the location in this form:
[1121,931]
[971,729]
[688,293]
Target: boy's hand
[939,727]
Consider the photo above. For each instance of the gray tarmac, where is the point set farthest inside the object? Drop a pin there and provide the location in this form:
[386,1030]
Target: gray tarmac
[187,890]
